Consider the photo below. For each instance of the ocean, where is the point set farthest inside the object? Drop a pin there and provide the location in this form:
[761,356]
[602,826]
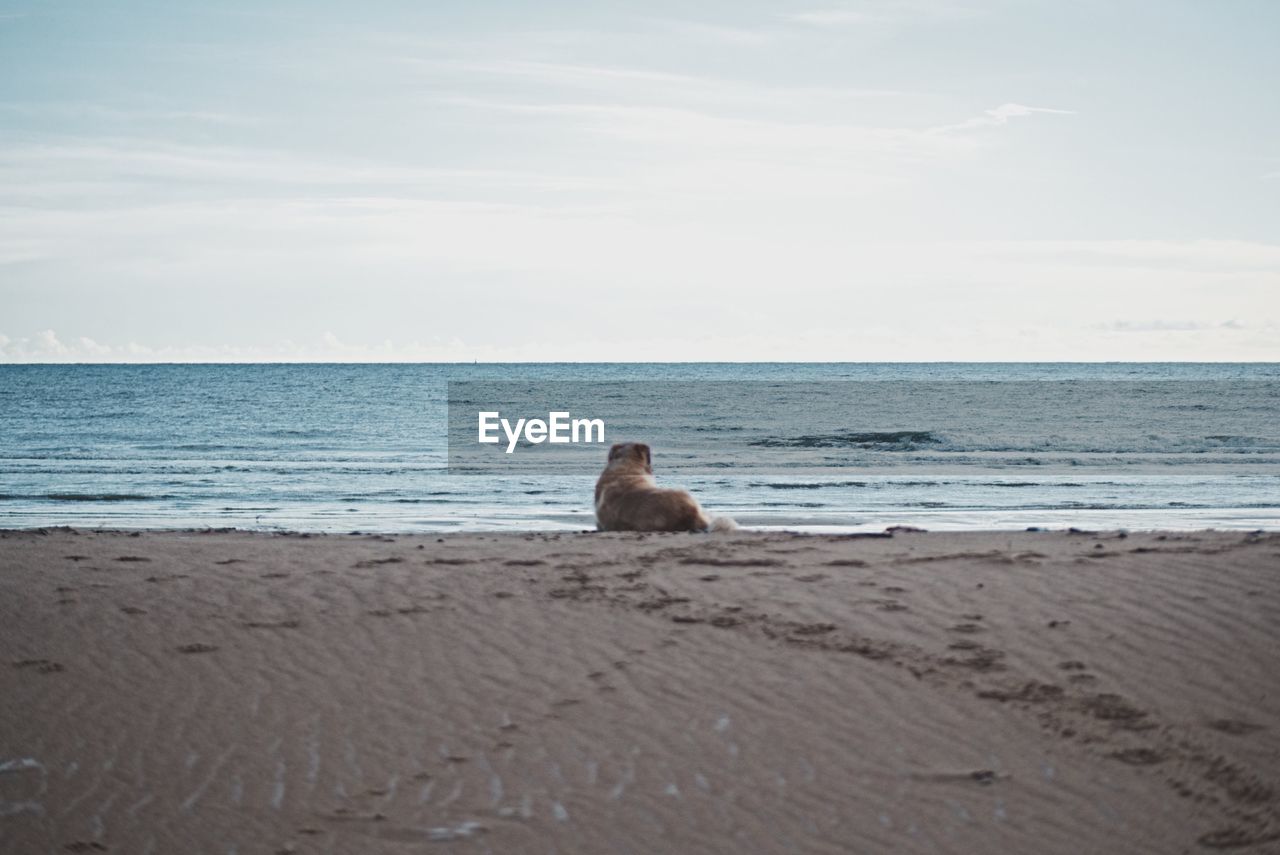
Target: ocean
[358,447]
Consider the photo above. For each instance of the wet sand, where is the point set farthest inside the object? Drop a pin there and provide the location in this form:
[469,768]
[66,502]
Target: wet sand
[1045,692]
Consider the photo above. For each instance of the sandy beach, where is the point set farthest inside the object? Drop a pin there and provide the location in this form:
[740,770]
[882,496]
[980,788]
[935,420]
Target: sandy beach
[231,692]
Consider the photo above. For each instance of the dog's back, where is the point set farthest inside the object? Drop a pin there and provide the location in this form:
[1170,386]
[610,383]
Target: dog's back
[628,498]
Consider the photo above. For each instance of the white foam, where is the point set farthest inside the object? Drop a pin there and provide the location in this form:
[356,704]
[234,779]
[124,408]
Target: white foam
[14,808]
[21,764]
[277,794]
[454,832]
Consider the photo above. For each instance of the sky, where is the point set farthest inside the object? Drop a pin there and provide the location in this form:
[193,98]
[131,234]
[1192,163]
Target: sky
[853,180]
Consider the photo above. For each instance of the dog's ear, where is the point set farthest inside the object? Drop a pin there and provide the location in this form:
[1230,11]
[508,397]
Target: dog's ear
[617,447]
[642,450]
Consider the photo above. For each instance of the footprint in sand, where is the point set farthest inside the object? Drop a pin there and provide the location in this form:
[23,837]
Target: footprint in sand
[375,562]
[566,702]
[1030,692]
[1236,837]
[983,659]
[733,562]
[40,666]
[197,647]
[1235,727]
[1138,756]
[813,629]
[1118,711]
[983,777]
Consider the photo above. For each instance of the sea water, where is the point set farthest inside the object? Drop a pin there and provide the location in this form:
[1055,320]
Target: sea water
[342,447]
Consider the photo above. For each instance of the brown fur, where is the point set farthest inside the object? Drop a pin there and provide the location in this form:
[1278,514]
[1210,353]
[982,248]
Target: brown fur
[629,499]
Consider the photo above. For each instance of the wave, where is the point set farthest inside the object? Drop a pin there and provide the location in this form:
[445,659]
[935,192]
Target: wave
[1231,440]
[85,497]
[904,440]
[895,483]
[809,485]
[294,433]
[1095,506]
[439,501]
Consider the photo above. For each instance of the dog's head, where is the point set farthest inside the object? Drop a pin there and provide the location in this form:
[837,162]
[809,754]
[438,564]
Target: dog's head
[628,454]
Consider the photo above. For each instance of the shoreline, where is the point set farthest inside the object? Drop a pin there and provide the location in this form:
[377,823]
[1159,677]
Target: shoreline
[852,531]
[521,691]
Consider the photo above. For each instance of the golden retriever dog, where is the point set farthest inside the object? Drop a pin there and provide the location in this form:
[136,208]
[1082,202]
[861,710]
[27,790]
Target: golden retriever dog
[629,499]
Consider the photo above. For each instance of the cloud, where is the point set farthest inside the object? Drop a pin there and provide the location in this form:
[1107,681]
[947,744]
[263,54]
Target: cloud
[624,83]
[687,128]
[41,347]
[846,299]
[1190,256]
[142,170]
[47,342]
[718,33]
[998,116]
[831,17]
[578,74]
[880,12]
[1005,112]
[122,115]
[1162,326]
[45,347]
[879,338]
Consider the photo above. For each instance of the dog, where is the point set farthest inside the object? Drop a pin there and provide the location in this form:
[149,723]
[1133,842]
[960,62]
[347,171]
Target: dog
[629,499]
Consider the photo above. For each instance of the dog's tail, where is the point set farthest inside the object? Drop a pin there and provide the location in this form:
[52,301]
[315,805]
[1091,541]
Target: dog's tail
[722,524]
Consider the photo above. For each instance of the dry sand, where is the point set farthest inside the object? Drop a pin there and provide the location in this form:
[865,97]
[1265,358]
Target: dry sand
[229,692]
